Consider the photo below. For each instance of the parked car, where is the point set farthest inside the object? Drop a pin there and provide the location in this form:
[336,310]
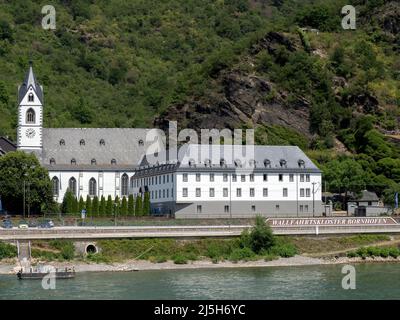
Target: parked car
[46,224]
[32,224]
[23,225]
[7,224]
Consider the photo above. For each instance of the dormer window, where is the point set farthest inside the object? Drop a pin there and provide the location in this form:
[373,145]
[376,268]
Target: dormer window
[31,97]
[93,162]
[113,162]
[102,142]
[282,162]
[141,143]
[301,163]
[207,162]
[62,142]
[52,161]
[252,163]
[30,116]
[82,142]
[238,163]
[73,161]
[222,162]
[267,163]
[191,163]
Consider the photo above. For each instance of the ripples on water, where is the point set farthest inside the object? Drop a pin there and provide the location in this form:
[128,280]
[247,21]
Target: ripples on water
[374,281]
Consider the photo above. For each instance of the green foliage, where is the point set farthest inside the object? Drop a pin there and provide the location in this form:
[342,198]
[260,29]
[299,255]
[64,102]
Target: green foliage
[7,250]
[17,168]
[260,236]
[124,207]
[138,206]
[131,205]
[102,207]
[117,206]
[68,204]
[109,206]
[81,204]
[383,252]
[95,206]
[241,254]
[88,206]
[179,259]
[146,204]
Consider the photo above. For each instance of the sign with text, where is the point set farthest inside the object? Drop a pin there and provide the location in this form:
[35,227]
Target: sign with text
[336,221]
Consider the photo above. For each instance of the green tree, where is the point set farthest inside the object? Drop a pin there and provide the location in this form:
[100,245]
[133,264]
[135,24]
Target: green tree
[260,236]
[345,176]
[138,206]
[67,205]
[146,204]
[109,206]
[81,204]
[117,206]
[75,205]
[17,168]
[102,208]
[124,207]
[131,205]
[95,206]
[88,206]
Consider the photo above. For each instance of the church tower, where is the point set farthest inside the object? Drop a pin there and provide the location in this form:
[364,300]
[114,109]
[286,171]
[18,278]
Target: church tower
[30,113]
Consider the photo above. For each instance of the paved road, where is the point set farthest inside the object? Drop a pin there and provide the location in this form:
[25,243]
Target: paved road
[180,231]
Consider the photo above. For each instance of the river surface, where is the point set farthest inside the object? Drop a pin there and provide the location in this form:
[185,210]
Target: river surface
[373,281]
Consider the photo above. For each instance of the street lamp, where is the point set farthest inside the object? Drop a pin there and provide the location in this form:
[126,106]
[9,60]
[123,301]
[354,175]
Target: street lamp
[115,214]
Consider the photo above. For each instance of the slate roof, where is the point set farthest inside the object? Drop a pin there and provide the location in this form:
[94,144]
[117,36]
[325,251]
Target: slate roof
[126,146]
[237,156]
[365,196]
[30,80]
[6,145]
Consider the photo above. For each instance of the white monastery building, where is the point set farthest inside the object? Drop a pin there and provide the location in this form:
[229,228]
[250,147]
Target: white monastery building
[206,181]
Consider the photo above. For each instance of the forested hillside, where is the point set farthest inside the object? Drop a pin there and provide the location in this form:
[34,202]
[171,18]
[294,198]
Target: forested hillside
[283,67]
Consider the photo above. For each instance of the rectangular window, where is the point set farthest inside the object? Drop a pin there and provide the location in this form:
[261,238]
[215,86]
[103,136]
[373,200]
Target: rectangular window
[306,208]
[167,193]
[225,177]
[199,208]
[167,178]
[265,192]
[212,192]
[155,193]
[185,177]
[234,177]
[172,193]
[152,194]
[184,192]
[238,192]
[301,192]
[285,194]
[172,178]
[159,180]
[198,177]
[277,207]
[225,192]
[226,208]
[159,194]
[291,177]
[302,178]
[211,177]
[198,192]
[307,178]
[252,177]
[163,179]
[251,192]
[281,177]
[243,178]
[253,208]
[308,194]
[301,208]
[163,193]
[265,176]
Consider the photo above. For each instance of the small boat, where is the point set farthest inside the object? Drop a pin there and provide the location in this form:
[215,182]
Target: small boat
[67,273]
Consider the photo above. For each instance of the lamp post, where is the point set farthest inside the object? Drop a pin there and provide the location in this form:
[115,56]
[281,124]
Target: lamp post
[115,214]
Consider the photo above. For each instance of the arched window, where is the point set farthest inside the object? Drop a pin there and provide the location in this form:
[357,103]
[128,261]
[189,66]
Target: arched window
[62,142]
[113,161]
[124,184]
[56,186]
[82,142]
[92,187]
[73,161]
[30,116]
[93,162]
[132,182]
[52,161]
[72,185]
[31,97]
[102,142]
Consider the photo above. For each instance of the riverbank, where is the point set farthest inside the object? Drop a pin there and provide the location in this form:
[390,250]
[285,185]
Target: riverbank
[143,265]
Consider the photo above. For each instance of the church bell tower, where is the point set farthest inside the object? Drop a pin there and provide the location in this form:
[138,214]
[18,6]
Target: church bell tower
[30,113]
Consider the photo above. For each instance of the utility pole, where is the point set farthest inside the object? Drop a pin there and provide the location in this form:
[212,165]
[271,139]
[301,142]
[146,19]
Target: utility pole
[24,200]
[313,199]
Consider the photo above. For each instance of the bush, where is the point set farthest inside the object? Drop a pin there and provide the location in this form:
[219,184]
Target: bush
[7,251]
[97,258]
[241,254]
[285,250]
[179,259]
[260,236]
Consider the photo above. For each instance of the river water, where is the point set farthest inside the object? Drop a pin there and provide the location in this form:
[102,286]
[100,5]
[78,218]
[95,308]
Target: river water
[373,281]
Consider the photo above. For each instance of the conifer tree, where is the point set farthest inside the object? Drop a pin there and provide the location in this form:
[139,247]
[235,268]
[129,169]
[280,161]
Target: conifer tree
[146,204]
[102,208]
[109,206]
[138,206]
[124,207]
[95,206]
[88,206]
[117,206]
[81,204]
[131,205]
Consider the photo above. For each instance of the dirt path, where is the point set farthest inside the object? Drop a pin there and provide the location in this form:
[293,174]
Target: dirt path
[337,252]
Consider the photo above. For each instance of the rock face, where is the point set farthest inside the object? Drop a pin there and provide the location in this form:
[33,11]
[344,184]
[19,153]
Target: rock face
[242,99]
[245,99]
